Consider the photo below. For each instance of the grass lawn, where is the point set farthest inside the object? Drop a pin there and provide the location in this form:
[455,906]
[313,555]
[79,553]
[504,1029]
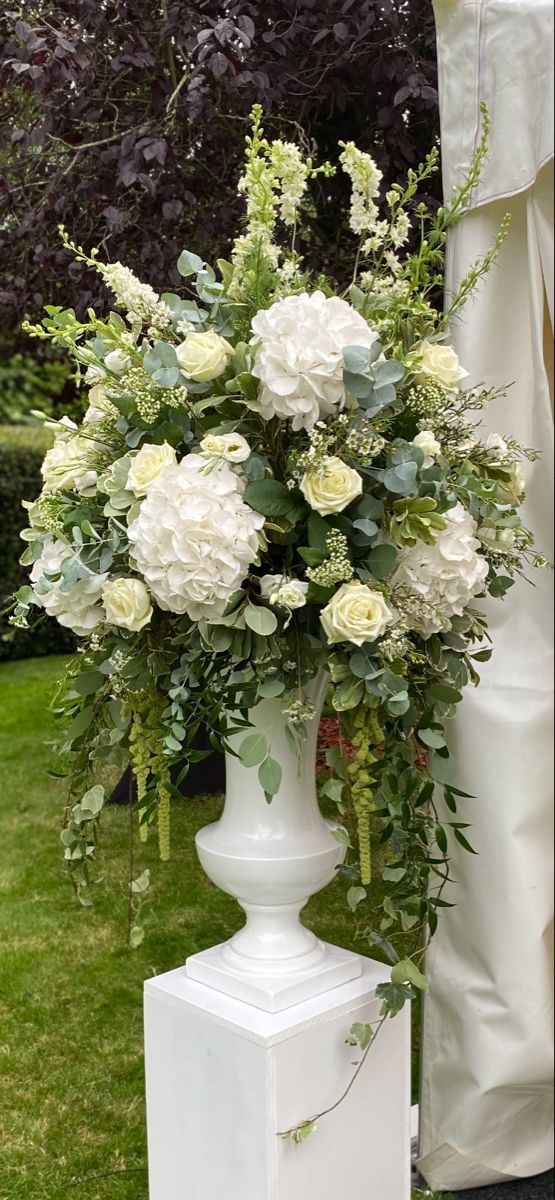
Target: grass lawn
[71,1065]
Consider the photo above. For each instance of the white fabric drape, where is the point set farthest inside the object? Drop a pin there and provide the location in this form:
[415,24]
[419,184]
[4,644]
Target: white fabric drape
[486,1102]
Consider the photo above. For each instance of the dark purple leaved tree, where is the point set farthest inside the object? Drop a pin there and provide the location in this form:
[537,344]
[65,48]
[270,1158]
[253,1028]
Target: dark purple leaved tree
[125,120]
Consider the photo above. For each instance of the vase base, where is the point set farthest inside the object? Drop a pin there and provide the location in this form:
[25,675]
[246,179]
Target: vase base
[273,994]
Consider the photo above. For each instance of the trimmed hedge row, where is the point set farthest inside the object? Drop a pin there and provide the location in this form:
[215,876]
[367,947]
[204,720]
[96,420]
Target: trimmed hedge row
[22,450]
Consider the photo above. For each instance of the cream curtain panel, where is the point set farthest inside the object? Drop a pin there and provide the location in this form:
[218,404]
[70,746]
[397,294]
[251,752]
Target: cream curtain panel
[486,1103]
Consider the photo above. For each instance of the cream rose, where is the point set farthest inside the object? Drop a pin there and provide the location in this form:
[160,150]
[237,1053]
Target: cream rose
[127,604]
[441,363]
[286,593]
[70,464]
[147,466]
[232,447]
[203,356]
[356,614]
[331,487]
[428,444]
[100,407]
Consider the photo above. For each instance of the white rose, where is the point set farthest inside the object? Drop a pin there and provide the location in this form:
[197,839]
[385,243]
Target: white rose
[232,447]
[77,608]
[203,356]
[444,577]
[148,465]
[117,362]
[428,444]
[195,538]
[286,593]
[127,604]
[497,445]
[436,361]
[100,406]
[70,465]
[356,614]
[299,356]
[331,487]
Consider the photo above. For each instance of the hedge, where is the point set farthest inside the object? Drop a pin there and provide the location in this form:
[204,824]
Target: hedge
[22,449]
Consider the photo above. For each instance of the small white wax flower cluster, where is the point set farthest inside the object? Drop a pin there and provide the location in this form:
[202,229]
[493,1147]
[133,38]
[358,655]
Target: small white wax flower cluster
[365,179]
[139,300]
[299,356]
[195,538]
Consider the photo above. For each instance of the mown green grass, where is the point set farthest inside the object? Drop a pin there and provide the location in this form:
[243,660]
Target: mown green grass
[71,1059]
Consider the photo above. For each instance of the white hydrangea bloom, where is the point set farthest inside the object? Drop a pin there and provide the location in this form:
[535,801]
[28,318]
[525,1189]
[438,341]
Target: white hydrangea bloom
[445,576]
[299,356]
[195,538]
[80,608]
[365,179]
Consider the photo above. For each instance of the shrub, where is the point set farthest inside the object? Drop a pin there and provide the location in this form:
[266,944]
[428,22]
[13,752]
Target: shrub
[126,123]
[21,452]
[36,380]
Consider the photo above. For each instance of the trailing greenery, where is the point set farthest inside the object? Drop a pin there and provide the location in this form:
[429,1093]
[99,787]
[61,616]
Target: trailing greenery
[22,449]
[72,1119]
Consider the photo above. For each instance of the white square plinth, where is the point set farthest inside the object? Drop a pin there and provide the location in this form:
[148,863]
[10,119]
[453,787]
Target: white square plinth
[223,1078]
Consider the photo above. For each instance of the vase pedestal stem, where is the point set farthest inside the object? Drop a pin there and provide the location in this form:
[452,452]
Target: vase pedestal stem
[272,857]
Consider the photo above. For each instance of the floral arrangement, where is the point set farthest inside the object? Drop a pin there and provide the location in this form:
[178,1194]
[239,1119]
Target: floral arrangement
[277,474]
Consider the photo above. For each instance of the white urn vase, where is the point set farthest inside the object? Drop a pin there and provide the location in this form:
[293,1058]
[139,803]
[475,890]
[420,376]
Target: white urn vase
[272,858]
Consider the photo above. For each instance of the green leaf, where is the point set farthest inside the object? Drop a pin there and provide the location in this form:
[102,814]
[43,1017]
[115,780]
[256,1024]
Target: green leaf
[161,362]
[269,497]
[333,789]
[499,586]
[441,838]
[432,738]
[445,693]
[401,480]
[356,358]
[318,531]
[381,561]
[377,939]
[261,620]
[253,749]
[189,264]
[355,896]
[348,695]
[361,1035]
[270,688]
[389,372]
[394,997]
[141,884]
[136,936]
[394,874]
[89,682]
[406,971]
[464,842]
[270,775]
[311,555]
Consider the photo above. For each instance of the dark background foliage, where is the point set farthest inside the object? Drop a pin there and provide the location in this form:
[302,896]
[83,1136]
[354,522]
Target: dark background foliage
[125,120]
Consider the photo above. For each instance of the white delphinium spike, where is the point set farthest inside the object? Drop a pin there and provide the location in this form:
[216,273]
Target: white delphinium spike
[366,178]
